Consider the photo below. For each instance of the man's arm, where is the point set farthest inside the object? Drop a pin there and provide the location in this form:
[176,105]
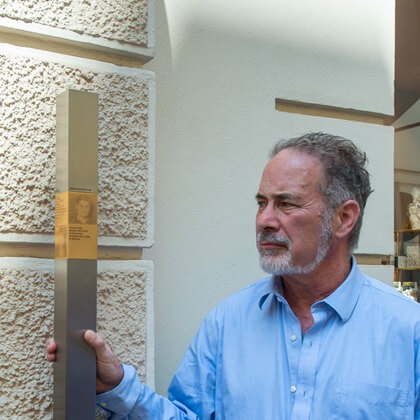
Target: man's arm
[119,390]
[417,373]
[192,390]
[131,399]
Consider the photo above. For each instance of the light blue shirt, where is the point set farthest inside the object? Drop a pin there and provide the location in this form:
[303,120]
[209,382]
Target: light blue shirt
[249,360]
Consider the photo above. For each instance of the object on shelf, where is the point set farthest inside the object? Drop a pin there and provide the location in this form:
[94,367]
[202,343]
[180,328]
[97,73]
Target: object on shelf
[401,261]
[414,209]
[407,263]
[413,256]
[408,289]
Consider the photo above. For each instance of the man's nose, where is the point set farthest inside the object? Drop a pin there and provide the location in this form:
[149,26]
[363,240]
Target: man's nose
[268,219]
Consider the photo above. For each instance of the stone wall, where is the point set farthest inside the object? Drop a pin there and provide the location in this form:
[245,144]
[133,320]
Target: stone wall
[120,20]
[30,83]
[31,77]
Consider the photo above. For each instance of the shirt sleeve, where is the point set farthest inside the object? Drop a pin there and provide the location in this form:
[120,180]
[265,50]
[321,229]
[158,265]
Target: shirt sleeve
[191,393]
[131,399]
[417,373]
[194,383]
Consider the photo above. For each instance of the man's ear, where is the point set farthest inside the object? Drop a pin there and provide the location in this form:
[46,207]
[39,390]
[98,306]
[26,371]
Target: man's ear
[345,217]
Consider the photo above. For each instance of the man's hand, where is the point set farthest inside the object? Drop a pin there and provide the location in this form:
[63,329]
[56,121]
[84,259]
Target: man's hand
[109,371]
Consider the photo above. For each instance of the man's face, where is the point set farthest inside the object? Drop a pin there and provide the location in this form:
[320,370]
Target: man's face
[293,225]
[83,207]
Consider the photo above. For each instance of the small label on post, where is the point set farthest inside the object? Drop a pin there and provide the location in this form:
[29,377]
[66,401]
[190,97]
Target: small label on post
[76,229]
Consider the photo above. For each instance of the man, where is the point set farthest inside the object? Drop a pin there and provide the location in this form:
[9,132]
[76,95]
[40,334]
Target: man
[315,340]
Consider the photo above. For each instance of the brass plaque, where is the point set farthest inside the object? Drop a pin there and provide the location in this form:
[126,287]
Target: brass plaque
[76,229]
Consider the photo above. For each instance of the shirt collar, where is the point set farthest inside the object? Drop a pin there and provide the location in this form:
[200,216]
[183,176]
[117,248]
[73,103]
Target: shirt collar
[273,287]
[342,300]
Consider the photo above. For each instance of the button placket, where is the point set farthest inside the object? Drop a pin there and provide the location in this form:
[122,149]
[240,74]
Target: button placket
[291,328]
[305,378]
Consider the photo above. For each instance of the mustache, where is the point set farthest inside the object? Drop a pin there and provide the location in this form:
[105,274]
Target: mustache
[272,237]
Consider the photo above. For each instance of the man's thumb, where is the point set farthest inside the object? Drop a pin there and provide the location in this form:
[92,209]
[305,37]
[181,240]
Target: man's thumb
[95,341]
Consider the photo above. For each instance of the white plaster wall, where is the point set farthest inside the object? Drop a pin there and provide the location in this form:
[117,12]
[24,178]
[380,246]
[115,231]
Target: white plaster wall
[125,318]
[383,272]
[411,116]
[220,65]
[407,152]
[407,149]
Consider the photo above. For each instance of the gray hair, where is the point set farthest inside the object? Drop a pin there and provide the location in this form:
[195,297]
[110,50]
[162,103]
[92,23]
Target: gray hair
[345,176]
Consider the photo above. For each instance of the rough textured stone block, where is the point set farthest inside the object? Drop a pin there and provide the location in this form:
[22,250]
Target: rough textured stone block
[125,311]
[26,302]
[30,82]
[125,308]
[120,20]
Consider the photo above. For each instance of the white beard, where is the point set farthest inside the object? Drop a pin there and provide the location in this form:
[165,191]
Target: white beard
[279,263]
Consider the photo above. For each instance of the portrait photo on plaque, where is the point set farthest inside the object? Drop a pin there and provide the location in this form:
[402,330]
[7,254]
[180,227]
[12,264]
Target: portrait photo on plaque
[83,209]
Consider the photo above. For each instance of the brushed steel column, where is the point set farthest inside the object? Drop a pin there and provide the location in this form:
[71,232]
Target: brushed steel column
[76,262]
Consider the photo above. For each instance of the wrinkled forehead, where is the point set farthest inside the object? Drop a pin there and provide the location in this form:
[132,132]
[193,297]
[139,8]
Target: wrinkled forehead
[291,165]
[294,174]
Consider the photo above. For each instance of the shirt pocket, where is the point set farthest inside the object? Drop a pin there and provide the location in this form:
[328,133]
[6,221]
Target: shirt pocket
[366,401]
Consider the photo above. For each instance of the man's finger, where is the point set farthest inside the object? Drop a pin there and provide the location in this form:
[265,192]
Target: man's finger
[51,345]
[51,349]
[95,341]
[51,357]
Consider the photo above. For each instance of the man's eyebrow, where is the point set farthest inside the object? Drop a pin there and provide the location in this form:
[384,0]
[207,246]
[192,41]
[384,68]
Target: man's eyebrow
[285,196]
[279,196]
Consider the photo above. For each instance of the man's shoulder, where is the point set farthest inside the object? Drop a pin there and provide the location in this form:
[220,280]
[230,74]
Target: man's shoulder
[252,291]
[246,298]
[388,296]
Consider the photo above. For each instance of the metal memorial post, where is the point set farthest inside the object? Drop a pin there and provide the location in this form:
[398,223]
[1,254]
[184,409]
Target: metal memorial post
[75,254]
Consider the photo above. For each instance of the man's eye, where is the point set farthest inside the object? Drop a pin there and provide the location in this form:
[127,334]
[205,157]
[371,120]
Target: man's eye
[285,204]
[260,204]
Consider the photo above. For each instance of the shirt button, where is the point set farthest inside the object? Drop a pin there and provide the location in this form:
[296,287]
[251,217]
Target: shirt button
[293,389]
[293,338]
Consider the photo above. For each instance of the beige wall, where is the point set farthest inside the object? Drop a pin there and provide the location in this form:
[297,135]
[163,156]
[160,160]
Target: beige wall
[45,48]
